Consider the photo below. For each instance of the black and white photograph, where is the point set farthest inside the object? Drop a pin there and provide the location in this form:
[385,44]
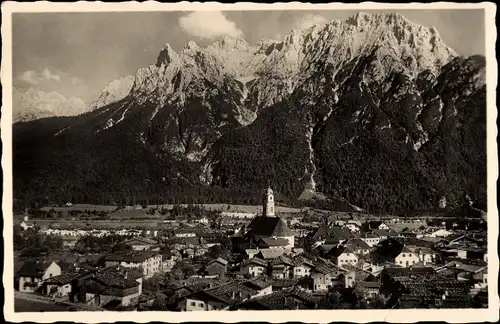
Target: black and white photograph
[265,159]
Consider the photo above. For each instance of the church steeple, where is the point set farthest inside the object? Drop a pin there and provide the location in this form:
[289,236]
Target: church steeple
[268,202]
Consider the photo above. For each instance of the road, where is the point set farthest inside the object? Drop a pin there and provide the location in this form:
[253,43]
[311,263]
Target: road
[29,302]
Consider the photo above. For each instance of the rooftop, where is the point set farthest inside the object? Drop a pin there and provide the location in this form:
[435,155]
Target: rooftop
[269,226]
[33,268]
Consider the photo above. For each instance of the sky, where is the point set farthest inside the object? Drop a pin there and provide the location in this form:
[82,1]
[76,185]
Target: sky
[78,54]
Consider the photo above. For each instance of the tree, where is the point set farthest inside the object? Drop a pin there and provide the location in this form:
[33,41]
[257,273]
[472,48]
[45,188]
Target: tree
[188,270]
[215,218]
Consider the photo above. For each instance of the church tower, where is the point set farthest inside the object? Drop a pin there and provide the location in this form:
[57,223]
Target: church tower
[268,203]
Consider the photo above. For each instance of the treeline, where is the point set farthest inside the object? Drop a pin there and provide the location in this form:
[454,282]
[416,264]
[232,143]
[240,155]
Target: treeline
[31,243]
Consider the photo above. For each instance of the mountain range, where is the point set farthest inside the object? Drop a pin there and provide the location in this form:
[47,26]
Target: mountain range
[374,112]
[31,104]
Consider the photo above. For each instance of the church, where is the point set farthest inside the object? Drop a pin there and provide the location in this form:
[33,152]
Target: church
[267,228]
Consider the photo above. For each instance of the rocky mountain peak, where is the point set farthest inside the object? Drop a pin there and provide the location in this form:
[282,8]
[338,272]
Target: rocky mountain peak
[115,91]
[166,56]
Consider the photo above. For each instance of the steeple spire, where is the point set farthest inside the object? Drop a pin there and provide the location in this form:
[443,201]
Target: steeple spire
[268,202]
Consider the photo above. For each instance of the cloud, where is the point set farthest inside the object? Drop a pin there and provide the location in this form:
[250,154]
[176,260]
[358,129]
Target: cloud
[47,75]
[311,20]
[209,24]
[29,77]
[33,77]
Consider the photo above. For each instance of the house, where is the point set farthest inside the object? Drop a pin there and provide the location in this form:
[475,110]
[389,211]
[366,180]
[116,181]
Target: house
[280,267]
[69,241]
[425,290]
[284,284]
[406,258]
[302,267]
[386,252]
[214,268]
[370,239]
[383,226]
[426,255]
[326,276]
[268,254]
[60,286]
[109,287]
[184,290]
[383,234]
[440,233]
[282,300]
[141,243]
[150,262]
[367,289]
[318,236]
[221,297]
[262,284]
[353,226]
[33,273]
[168,261]
[254,267]
[251,252]
[337,235]
[185,232]
[25,224]
[357,245]
[342,256]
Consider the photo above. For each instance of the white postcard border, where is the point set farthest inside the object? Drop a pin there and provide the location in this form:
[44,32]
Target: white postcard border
[306,316]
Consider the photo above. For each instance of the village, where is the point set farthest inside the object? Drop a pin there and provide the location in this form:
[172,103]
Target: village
[244,261]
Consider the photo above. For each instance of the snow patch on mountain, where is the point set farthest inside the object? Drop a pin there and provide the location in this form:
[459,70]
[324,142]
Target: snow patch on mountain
[32,104]
[115,91]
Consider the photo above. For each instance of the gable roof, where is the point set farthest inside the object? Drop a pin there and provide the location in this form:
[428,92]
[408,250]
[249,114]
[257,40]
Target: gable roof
[281,260]
[230,293]
[255,261]
[270,253]
[67,278]
[259,283]
[270,241]
[218,260]
[269,226]
[32,268]
[357,244]
[302,260]
[140,240]
[108,277]
[321,231]
[389,248]
[283,299]
[131,256]
[337,233]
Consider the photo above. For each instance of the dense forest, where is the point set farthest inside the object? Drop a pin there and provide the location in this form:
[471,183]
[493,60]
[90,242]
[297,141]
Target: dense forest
[363,142]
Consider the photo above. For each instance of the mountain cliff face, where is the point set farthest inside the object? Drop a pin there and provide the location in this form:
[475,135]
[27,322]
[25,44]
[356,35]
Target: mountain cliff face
[115,91]
[374,111]
[30,104]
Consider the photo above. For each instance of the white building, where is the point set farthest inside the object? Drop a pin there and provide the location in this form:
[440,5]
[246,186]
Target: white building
[32,274]
[406,258]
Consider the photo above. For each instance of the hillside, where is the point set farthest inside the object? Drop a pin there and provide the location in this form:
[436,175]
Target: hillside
[375,112]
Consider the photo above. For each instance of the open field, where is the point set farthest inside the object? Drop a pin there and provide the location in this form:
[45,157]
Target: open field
[223,207]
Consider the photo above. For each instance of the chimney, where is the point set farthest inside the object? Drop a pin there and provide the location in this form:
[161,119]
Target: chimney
[126,275]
